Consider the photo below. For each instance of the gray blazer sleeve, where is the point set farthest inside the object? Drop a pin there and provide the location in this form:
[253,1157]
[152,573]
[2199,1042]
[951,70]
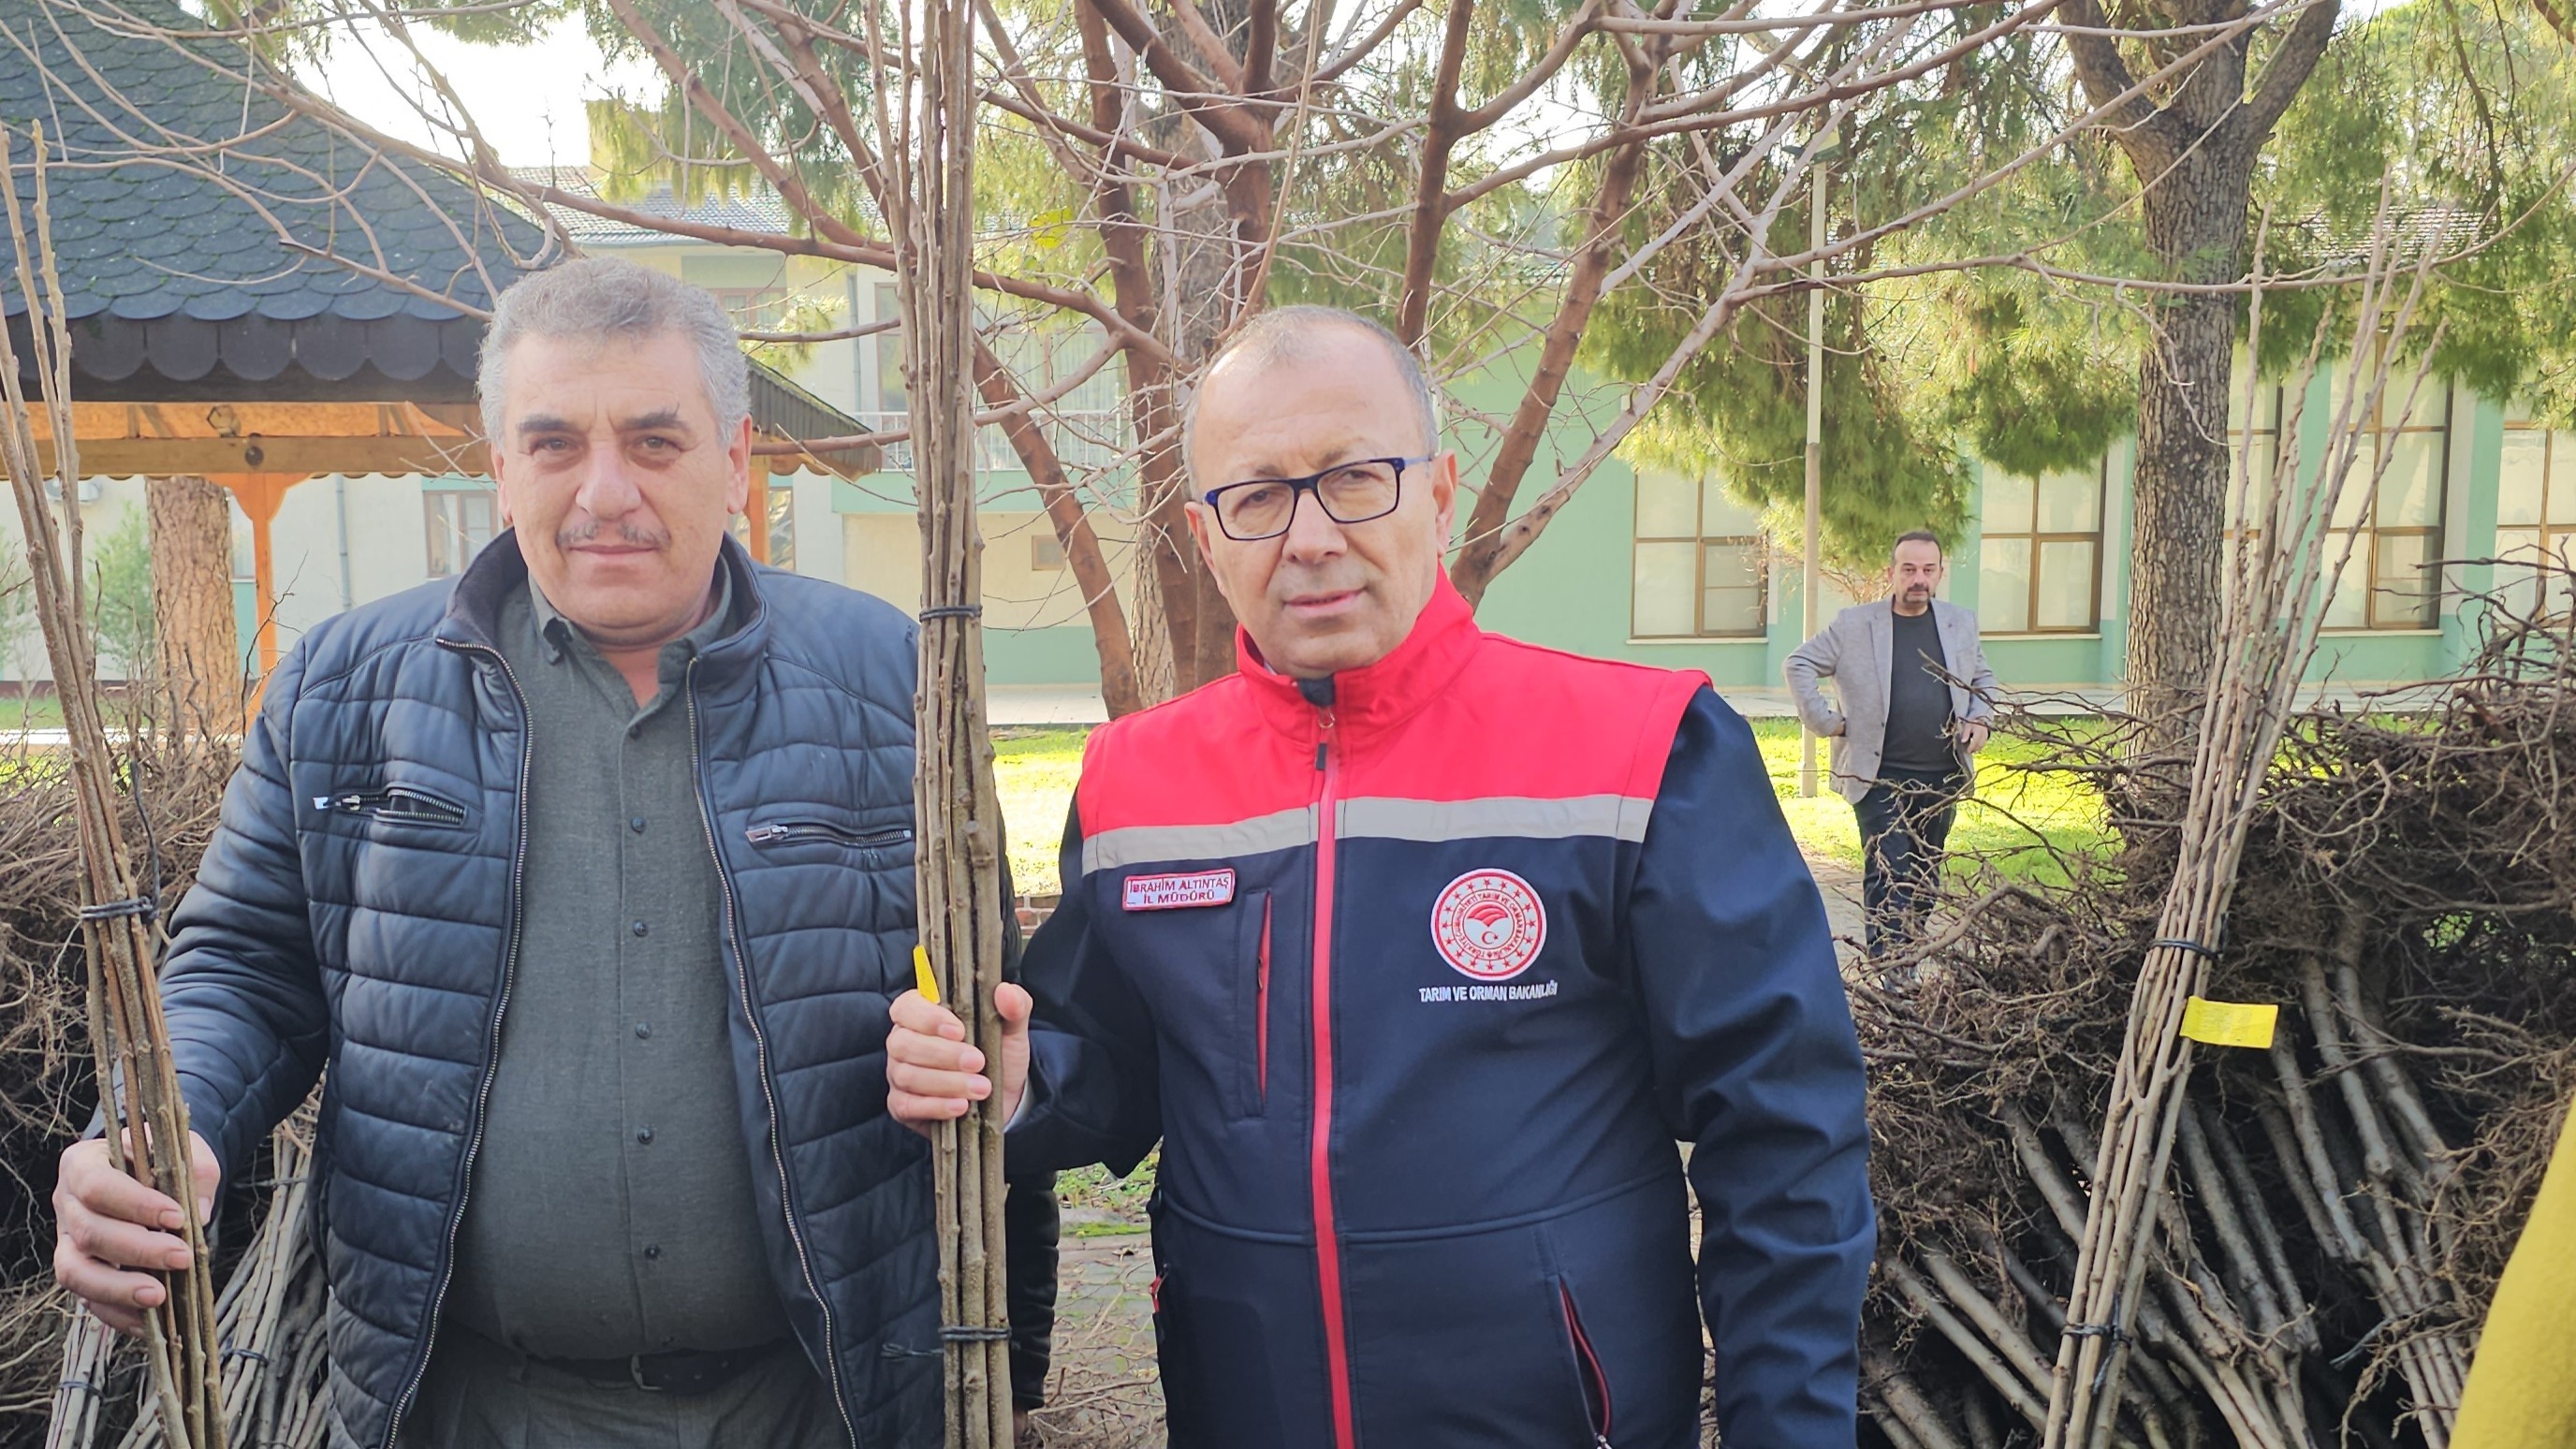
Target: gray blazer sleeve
[1808,663]
[1982,684]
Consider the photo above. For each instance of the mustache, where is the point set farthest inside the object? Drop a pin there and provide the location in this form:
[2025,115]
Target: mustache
[590,530]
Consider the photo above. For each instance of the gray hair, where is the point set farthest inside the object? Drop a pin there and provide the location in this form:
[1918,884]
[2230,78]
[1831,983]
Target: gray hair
[1287,334]
[595,299]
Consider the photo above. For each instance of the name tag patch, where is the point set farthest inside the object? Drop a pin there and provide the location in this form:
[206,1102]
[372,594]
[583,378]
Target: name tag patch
[1177,892]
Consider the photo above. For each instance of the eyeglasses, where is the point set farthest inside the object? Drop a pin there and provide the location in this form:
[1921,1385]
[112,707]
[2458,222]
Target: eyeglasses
[1353,492]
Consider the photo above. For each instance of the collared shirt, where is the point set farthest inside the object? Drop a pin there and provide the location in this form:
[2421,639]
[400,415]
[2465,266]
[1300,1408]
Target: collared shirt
[611,1209]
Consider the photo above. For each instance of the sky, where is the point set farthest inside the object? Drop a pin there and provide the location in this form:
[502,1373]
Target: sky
[527,100]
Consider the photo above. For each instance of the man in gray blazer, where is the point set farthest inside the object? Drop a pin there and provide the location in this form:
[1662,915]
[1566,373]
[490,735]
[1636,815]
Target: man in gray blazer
[1916,698]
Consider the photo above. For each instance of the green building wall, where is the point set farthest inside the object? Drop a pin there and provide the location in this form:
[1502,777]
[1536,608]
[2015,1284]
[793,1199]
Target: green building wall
[1571,590]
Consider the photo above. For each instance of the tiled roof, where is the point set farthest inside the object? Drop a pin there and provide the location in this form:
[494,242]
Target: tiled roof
[163,157]
[757,211]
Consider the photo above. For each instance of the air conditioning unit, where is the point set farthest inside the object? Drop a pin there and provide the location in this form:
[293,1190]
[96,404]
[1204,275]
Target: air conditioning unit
[91,490]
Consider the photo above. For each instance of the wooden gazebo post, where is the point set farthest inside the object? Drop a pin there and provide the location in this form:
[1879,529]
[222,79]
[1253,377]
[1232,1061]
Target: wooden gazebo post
[759,507]
[260,495]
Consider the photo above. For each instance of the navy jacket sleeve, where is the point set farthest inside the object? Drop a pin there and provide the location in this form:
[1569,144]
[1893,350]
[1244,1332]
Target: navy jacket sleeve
[1758,1068]
[1094,1089]
[249,1028]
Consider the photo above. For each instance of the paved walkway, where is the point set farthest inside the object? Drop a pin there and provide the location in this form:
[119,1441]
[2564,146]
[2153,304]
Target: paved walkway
[1841,886]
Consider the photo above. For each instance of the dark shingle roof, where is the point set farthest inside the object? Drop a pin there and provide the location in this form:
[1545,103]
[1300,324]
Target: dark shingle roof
[167,166]
[164,158]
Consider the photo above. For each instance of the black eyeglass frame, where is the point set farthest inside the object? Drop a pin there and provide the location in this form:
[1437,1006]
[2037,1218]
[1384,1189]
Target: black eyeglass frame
[1313,483]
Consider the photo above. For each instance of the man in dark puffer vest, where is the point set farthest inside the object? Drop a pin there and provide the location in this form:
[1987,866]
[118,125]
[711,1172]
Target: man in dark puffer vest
[588,876]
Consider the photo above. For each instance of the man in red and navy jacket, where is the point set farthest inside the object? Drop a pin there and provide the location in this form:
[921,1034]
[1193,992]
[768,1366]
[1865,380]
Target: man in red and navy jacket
[1416,948]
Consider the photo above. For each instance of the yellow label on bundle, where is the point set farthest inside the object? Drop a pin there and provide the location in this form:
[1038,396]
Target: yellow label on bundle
[922,978]
[2229,1023]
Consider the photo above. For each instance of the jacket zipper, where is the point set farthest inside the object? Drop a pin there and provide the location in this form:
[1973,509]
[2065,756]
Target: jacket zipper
[1596,1383]
[1328,1248]
[1261,1015]
[788,832]
[760,1052]
[393,802]
[491,1051]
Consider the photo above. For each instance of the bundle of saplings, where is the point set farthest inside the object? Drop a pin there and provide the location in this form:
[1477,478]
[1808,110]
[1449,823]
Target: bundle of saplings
[2339,1204]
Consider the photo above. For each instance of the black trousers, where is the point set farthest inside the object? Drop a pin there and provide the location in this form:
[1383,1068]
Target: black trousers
[1904,826]
[1029,1231]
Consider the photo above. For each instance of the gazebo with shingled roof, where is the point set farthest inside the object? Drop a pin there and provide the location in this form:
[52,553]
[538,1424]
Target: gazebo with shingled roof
[257,300]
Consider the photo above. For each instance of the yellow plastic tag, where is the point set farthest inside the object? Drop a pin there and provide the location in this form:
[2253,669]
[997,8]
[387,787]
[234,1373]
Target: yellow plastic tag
[929,984]
[2229,1023]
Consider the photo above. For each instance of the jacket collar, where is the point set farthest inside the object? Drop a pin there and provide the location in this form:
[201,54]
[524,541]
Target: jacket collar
[1375,697]
[474,609]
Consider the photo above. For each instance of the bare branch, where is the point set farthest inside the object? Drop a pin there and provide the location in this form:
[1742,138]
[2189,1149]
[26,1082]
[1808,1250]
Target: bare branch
[1439,139]
[2293,60]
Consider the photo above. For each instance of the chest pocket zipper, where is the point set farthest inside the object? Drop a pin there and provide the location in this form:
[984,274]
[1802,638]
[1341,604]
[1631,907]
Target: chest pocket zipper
[824,832]
[399,803]
[1261,1017]
[1249,981]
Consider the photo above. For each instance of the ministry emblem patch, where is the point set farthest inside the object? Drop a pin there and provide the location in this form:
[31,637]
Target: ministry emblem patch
[1489,925]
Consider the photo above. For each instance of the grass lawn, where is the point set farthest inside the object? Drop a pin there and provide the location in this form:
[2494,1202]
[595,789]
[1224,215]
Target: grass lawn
[37,712]
[1033,772]
[2014,812]
[2016,816]
[1099,1206]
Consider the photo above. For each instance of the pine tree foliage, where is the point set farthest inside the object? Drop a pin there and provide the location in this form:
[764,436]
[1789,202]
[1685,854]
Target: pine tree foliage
[2029,362]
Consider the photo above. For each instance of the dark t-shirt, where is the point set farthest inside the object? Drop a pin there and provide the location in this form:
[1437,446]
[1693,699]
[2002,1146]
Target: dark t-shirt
[1918,700]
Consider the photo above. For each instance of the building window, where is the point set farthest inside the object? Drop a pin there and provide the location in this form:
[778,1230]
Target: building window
[2039,566]
[891,397]
[754,309]
[461,521]
[2393,578]
[245,564]
[782,525]
[781,517]
[2535,515]
[2392,523]
[2246,509]
[1700,564]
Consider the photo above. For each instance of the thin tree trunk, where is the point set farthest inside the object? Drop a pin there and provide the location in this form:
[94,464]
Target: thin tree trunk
[2194,157]
[1202,303]
[197,645]
[2195,226]
[1082,553]
[1481,556]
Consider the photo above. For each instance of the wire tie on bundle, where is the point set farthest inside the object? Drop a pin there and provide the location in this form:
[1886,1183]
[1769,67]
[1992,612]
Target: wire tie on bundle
[952,611]
[972,1333]
[119,910]
[2178,943]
